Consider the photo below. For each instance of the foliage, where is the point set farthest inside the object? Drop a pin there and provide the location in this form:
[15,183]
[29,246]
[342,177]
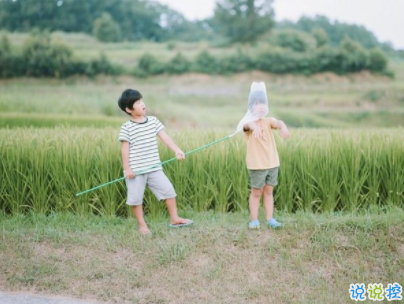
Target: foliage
[244,20]
[40,57]
[295,40]
[149,65]
[106,29]
[281,61]
[289,51]
[378,61]
[178,65]
[236,63]
[321,37]
[130,19]
[353,57]
[206,63]
[101,66]
[10,64]
[336,31]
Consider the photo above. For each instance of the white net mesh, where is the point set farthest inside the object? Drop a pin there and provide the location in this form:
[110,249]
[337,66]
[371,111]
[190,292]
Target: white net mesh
[257,105]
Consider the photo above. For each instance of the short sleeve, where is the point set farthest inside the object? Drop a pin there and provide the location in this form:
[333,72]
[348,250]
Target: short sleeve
[124,134]
[159,125]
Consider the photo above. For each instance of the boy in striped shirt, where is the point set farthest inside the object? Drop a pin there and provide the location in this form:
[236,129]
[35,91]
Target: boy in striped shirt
[140,154]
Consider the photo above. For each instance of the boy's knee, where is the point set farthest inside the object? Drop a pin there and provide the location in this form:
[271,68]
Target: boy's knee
[257,192]
[268,190]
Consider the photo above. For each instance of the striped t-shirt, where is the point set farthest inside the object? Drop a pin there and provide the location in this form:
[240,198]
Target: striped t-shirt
[143,148]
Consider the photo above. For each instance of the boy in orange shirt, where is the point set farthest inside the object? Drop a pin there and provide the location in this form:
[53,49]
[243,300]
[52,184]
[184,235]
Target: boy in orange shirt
[262,156]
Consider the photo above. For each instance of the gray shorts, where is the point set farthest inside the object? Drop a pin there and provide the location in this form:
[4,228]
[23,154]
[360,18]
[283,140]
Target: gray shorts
[157,182]
[258,178]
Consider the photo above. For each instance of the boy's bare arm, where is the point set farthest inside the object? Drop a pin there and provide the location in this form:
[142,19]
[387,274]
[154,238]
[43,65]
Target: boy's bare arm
[281,126]
[125,159]
[167,140]
[252,126]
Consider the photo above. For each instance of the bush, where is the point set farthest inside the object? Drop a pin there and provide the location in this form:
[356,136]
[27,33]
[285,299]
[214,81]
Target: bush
[5,46]
[285,61]
[378,61]
[239,62]
[206,63]
[295,40]
[321,37]
[10,63]
[149,65]
[42,58]
[106,29]
[100,66]
[353,57]
[178,65]
[327,59]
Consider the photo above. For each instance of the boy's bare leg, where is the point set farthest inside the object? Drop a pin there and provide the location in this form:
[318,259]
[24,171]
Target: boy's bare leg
[254,202]
[171,204]
[268,202]
[138,213]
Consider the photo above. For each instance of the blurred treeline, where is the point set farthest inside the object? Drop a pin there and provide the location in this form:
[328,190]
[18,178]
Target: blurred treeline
[308,46]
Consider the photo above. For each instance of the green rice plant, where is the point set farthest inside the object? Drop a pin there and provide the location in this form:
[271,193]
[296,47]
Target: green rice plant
[328,153]
[392,160]
[307,190]
[321,171]
[354,173]
[372,185]
[13,159]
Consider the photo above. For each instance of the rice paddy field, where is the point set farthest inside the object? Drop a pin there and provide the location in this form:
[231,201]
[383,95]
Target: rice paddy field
[321,171]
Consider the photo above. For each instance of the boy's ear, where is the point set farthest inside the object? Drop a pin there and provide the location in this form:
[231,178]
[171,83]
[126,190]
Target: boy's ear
[127,110]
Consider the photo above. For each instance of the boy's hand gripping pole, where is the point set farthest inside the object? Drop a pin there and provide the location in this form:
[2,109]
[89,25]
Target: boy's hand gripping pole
[160,164]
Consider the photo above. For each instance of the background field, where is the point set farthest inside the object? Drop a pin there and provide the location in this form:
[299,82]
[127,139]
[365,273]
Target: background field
[340,195]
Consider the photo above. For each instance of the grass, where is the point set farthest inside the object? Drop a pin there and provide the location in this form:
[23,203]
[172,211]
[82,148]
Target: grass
[313,260]
[202,101]
[13,120]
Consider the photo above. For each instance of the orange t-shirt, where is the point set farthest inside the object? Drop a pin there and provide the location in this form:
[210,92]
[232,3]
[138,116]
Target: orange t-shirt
[262,152]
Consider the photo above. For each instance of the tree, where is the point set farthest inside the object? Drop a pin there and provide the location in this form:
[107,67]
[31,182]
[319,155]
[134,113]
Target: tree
[244,20]
[295,40]
[353,56]
[337,31]
[378,61]
[106,29]
[321,37]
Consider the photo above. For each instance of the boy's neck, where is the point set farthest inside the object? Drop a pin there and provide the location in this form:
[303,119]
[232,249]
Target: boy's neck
[140,118]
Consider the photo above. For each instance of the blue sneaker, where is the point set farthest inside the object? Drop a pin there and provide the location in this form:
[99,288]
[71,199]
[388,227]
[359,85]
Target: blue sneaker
[254,224]
[273,223]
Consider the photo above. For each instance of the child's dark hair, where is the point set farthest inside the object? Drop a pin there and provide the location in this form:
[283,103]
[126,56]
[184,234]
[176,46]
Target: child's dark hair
[128,98]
